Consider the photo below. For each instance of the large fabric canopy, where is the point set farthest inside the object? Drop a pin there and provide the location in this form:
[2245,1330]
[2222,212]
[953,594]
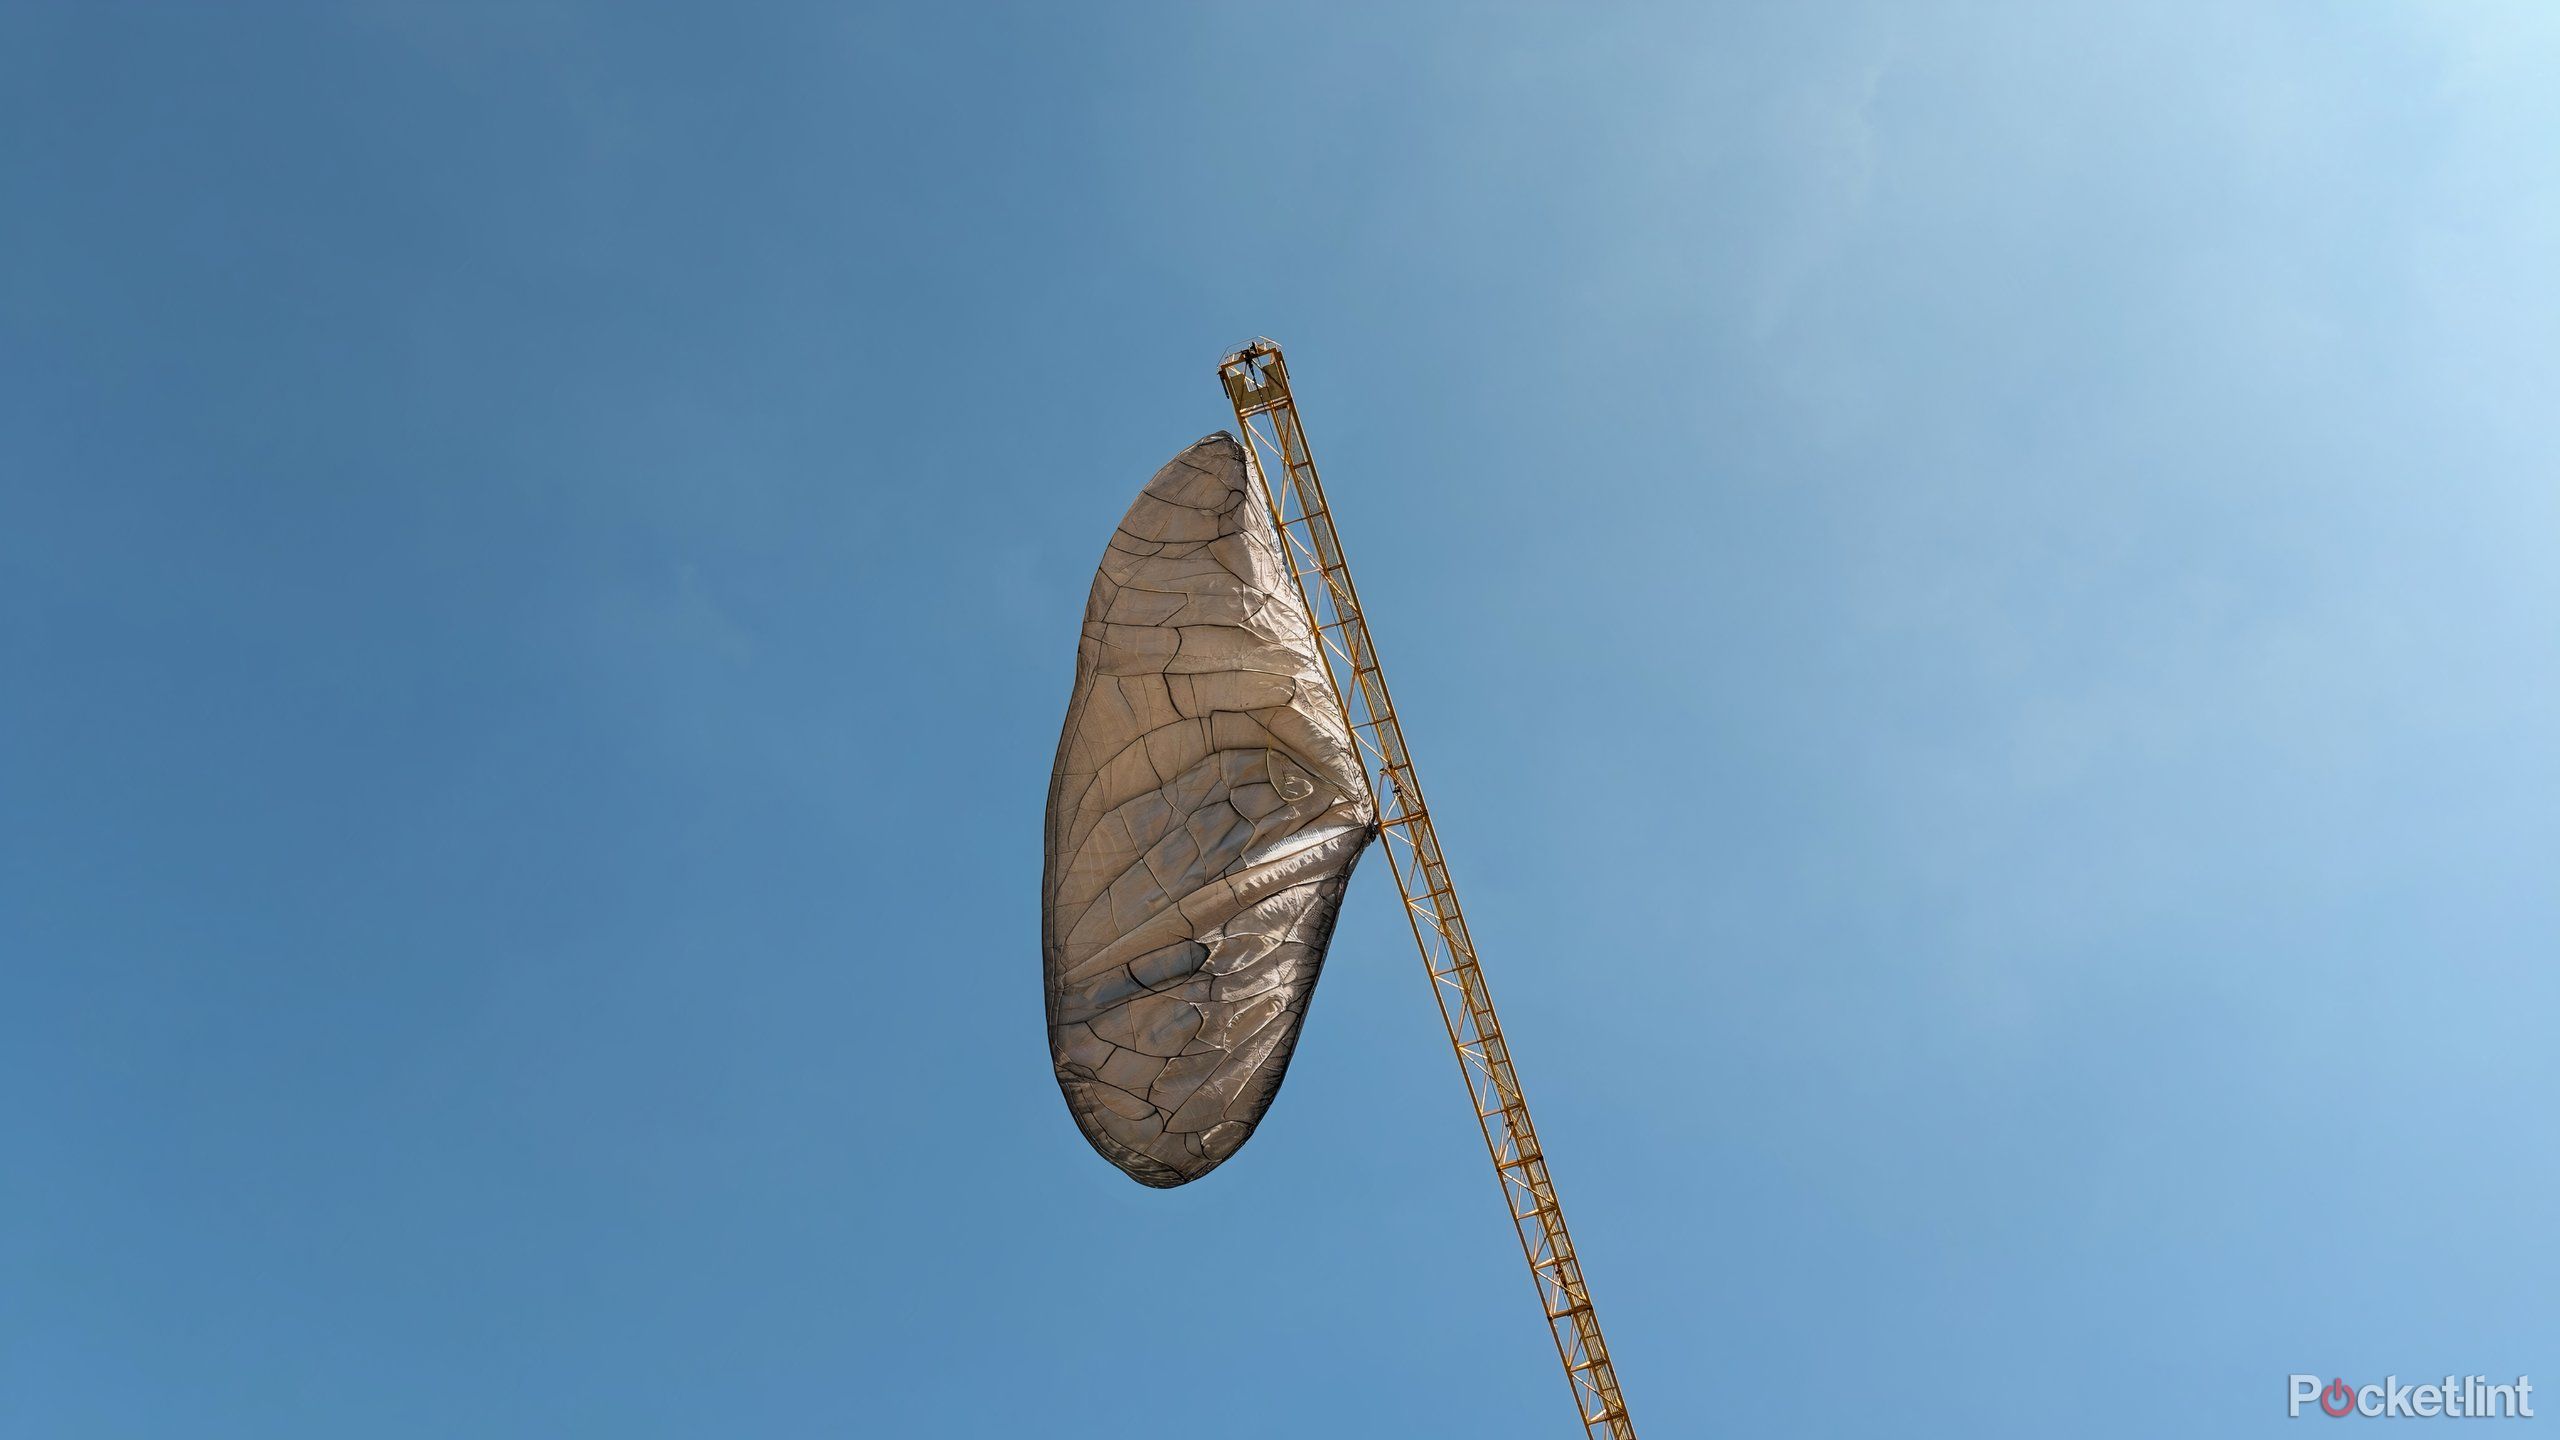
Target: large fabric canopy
[1204,815]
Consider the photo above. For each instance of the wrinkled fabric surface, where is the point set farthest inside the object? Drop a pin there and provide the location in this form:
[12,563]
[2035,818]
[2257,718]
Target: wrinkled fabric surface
[1204,816]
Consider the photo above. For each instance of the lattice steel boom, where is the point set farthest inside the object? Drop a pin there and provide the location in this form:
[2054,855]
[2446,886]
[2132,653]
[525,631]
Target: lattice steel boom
[1257,381]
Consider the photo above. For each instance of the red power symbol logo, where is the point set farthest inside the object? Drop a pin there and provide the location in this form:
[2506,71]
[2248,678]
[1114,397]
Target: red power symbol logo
[2338,1399]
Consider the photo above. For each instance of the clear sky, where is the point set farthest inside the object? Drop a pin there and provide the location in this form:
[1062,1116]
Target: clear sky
[1975,590]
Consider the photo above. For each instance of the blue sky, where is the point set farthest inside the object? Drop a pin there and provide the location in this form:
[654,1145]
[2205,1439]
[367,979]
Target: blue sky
[1975,589]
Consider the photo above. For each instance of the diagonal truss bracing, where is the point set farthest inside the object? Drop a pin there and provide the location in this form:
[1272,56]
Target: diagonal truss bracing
[1257,382]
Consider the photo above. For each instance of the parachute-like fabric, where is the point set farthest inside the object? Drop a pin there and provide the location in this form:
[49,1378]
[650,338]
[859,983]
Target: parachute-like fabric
[1204,816]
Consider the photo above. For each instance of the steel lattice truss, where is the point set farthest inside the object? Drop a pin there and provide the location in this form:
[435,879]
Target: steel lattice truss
[1257,382]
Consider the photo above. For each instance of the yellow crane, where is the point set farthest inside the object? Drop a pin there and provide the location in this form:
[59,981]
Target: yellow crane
[1257,383]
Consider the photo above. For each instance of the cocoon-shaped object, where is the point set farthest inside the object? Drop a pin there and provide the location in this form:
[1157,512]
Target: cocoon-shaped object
[1204,815]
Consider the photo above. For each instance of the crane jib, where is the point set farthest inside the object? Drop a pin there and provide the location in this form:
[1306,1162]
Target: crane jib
[1256,379]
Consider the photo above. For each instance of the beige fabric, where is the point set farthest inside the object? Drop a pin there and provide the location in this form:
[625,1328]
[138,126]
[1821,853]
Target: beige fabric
[1204,816]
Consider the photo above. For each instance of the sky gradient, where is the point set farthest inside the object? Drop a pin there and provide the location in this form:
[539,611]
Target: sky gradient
[1975,591]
